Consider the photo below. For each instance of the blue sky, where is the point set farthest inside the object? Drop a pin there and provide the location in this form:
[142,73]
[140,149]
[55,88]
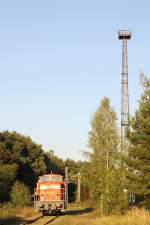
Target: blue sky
[58,58]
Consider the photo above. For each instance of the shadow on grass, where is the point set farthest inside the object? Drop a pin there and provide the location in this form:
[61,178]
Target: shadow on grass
[79,211]
[11,221]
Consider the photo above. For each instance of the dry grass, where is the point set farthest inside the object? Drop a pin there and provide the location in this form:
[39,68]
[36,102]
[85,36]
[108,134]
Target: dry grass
[8,210]
[133,217]
[80,216]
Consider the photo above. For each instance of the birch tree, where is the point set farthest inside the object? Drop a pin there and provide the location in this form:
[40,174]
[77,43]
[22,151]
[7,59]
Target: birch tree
[104,177]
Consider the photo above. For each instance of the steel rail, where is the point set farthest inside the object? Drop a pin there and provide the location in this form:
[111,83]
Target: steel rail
[42,220]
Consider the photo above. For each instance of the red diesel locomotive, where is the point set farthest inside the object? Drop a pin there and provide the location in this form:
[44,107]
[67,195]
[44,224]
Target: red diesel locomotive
[50,194]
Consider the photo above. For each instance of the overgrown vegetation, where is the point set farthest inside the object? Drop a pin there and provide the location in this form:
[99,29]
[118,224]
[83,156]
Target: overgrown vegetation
[7,210]
[132,217]
[20,194]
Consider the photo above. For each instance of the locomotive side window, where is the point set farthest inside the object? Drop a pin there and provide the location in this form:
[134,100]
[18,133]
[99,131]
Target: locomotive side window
[45,179]
[52,178]
[56,178]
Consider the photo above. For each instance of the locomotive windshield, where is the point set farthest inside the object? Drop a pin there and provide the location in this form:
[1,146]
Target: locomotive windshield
[51,178]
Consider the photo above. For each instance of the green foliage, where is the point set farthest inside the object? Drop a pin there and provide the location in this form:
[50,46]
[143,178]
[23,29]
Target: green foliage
[54,163]
[102,173]
[20,194]
[25,154]
[23,160]
[73,170]
[139,151]
[7,177]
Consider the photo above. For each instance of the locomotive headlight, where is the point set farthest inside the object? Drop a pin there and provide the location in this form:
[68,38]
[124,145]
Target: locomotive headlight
[43,187]
[42,197]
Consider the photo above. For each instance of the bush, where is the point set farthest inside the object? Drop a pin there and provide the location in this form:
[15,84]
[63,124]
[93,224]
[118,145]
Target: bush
[20,194]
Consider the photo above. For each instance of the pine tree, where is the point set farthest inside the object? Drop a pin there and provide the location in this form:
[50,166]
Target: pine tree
[104,179]
[138,160]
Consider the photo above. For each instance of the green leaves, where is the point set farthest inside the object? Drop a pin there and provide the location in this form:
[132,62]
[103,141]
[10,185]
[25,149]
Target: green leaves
[27,156]
[7,177]
[139,149]
[20,194]
[104,175]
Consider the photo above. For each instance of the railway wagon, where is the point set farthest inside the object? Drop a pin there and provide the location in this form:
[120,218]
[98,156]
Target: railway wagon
[50,194]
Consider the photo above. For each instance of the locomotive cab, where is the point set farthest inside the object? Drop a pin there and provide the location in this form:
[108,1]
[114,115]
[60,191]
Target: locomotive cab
[50,194]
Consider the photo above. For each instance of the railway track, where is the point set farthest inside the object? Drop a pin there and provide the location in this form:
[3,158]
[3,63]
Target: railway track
[43,220]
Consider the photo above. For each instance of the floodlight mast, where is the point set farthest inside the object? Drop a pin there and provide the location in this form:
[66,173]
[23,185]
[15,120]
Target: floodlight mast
[124,35]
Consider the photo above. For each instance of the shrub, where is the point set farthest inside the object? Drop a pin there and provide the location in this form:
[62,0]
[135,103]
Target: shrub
[20,194]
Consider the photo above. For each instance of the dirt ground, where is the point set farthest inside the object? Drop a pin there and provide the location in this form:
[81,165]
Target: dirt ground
[78,217]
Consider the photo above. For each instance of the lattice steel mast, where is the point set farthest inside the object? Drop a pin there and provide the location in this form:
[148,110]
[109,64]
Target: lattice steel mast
[124,35]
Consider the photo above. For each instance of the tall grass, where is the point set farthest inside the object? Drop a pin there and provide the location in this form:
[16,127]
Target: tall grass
[133,217]
[8,210]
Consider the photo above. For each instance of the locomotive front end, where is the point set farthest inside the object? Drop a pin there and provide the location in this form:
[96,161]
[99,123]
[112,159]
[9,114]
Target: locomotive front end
[50,194]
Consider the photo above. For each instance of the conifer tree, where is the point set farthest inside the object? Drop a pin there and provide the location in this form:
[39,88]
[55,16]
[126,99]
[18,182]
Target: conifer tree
[138,160]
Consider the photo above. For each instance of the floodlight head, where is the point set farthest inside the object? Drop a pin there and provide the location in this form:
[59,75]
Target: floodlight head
[124,34]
